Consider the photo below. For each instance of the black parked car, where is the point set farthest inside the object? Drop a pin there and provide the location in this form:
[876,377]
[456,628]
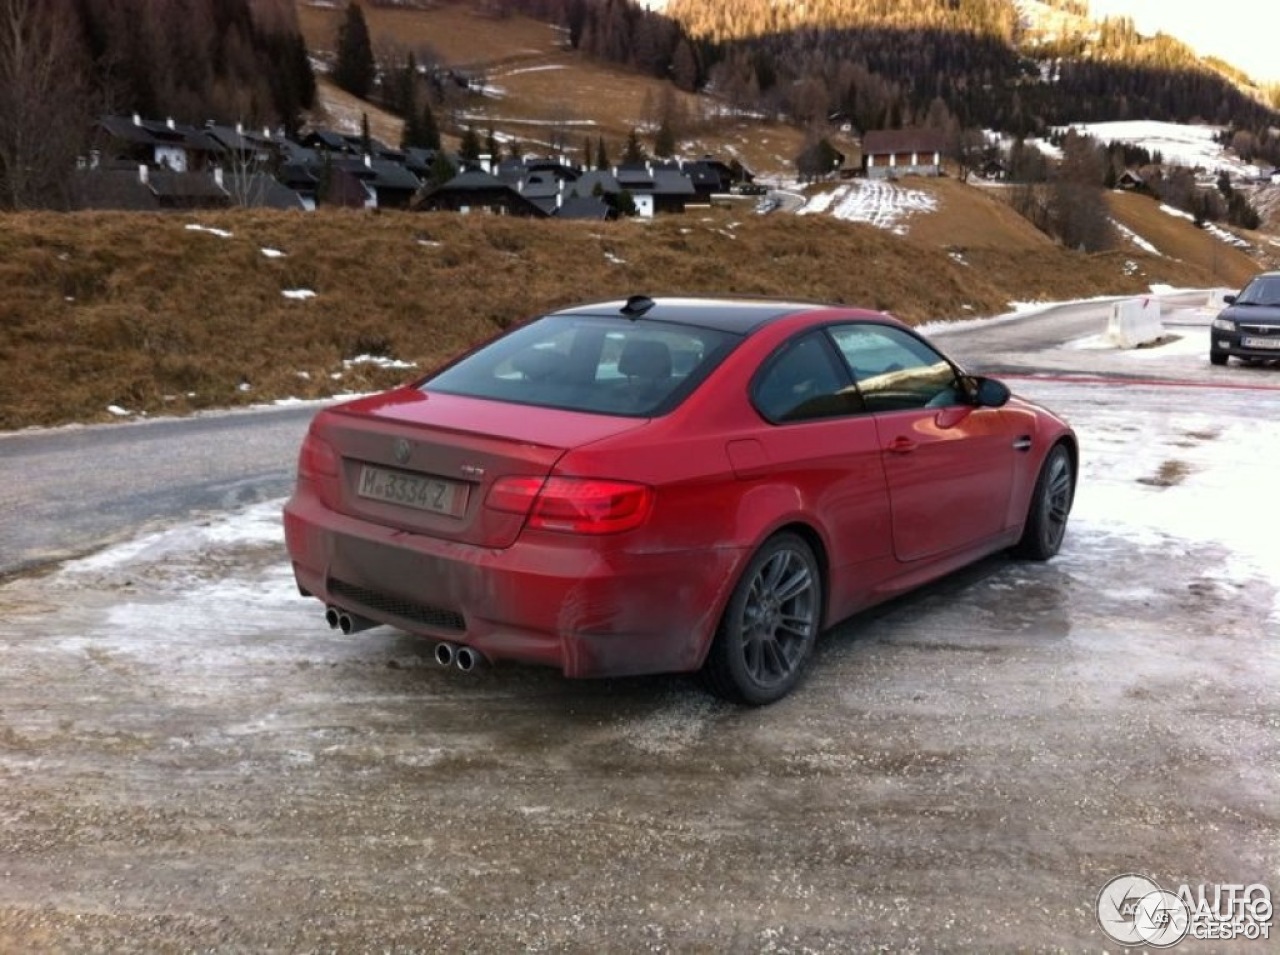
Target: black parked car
[1249,327]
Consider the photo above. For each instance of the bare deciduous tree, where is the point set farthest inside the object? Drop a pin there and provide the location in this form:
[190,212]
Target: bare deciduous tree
[44,102]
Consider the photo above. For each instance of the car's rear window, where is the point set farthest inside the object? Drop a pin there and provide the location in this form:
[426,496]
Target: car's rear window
[599,364]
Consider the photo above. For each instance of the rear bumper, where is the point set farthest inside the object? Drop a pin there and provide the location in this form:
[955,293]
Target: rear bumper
[587,612]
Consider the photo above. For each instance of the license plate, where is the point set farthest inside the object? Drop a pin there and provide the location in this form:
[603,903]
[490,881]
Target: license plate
[1270,343]
[411,490]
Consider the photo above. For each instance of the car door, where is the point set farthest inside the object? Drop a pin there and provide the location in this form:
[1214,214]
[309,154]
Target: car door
[820,442]
[949,463]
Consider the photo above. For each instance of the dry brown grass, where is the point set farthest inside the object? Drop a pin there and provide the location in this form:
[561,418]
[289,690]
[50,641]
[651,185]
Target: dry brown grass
[459,33]
[338,109]
[139,311]
[1184,244]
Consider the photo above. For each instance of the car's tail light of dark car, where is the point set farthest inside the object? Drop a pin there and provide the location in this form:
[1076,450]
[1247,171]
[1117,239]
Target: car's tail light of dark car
[573,505]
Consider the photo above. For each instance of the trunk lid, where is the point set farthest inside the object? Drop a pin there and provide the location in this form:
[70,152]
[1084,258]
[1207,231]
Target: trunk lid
[425,463]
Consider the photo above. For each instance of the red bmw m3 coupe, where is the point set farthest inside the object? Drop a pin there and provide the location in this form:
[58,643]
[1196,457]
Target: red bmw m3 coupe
[670,484]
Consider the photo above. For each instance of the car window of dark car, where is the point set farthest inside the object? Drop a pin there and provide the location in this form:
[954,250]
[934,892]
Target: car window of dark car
[597,364]
[894,370]
[1264,290]
[803,381]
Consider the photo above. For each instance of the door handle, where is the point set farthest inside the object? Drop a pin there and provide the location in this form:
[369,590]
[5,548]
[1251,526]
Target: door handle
[1022,443]
[901,445]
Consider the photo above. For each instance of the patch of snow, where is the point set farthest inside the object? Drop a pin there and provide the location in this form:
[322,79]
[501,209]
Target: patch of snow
[382,361]
[615,259]
[220,233]
[1178,213]
[273,253]
[118,411]
[522,121]
[535,69]
[298,294]
[1136,239]
[1179,144]
[875,201]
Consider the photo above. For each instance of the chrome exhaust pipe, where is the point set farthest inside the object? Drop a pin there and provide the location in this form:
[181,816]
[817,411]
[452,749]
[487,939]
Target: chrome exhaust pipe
[332,616]
[468,659]
[350,623]
[445,653]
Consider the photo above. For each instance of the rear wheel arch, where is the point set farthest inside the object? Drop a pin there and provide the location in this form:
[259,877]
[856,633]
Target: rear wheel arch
[809,534]
[766,632]
[806,532]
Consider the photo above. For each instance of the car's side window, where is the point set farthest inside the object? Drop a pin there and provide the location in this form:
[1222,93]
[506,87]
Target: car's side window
[803,381]
[894,370]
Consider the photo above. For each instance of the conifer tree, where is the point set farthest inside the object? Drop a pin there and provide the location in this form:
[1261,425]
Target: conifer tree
[664,140]
[469,148]
[633,152]
[355,67]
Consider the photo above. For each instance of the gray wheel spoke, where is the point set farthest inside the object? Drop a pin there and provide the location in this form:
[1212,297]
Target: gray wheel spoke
[795,585]
[795,623]
[775,661]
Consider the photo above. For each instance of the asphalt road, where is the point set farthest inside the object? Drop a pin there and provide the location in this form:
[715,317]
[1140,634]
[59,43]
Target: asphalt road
[69,491]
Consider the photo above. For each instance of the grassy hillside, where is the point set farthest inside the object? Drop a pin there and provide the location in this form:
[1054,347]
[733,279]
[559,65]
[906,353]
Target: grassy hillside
[1172,236]
[142,312]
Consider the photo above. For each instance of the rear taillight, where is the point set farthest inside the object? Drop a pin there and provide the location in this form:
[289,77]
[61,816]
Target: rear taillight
[317,458]
[573,505]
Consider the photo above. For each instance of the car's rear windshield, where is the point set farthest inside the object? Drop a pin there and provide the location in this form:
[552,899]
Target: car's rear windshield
[599,364]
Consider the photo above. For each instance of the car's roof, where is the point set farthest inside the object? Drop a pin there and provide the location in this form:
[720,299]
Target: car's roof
[742,315]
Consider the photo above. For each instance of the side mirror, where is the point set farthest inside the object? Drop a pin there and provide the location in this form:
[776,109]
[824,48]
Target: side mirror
[991,393]
[1229,299]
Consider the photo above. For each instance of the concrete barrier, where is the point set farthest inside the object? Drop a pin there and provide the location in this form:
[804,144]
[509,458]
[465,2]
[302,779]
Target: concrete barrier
[1217,299]
[1135,322]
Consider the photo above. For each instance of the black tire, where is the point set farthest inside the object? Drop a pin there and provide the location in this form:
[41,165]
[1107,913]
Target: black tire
[1218,357]
[770,625]
[1050,506]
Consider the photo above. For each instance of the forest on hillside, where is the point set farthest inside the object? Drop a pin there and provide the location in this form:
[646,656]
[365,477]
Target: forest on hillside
[884,63]
[62,62]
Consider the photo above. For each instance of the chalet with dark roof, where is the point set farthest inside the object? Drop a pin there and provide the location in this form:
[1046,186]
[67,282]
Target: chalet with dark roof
[585,208]
[168,144]
[144,188]
[889,153]
[476,192]
[392,185]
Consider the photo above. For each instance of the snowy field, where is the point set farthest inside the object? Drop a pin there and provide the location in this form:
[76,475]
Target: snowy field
[878,202]
[1180,144]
